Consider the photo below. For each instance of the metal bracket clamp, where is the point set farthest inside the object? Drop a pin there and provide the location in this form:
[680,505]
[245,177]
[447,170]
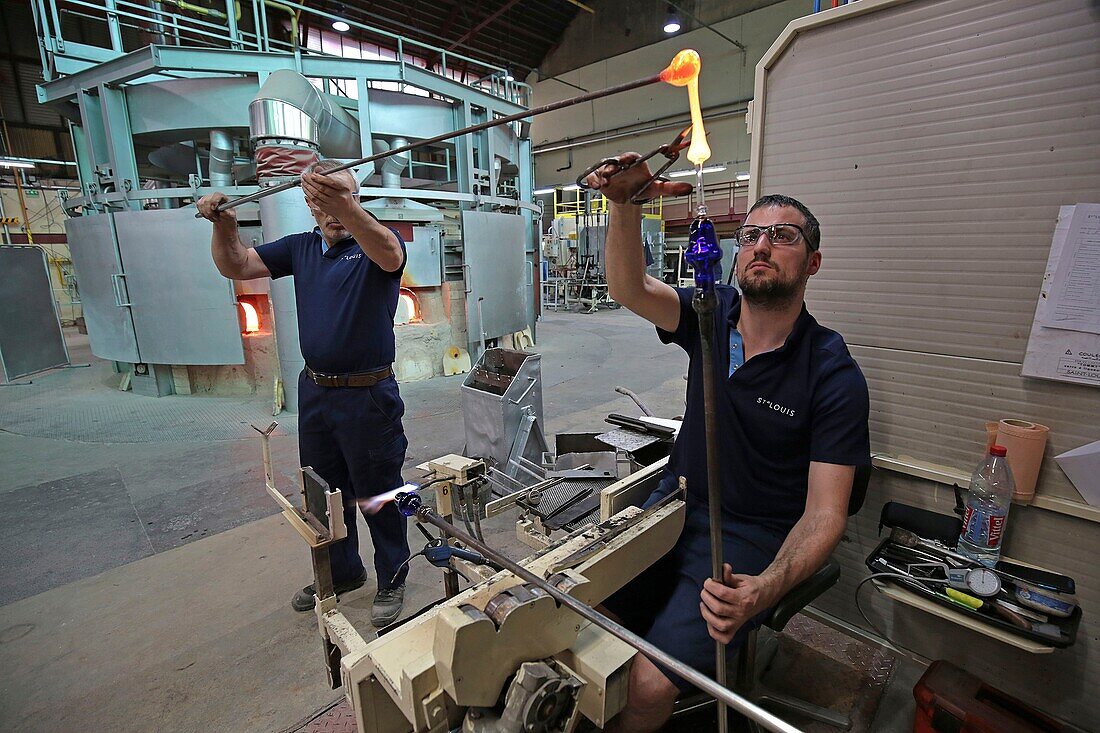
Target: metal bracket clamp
[307,525]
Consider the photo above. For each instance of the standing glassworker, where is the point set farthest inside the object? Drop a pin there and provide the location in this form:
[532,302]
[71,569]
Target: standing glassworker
[792,413]
[347,277]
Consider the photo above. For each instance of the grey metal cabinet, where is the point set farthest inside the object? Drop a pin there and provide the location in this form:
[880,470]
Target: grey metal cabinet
[493,249]
[102,284]
[184,311]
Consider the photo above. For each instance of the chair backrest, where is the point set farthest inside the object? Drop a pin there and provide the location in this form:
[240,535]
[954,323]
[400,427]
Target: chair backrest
[859,488]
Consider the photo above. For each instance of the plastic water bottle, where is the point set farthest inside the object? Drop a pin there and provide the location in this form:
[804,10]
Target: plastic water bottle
[987,508]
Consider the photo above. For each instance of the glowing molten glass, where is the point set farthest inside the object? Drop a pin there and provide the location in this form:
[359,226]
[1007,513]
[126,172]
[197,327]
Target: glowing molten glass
[683,68]
[251,318]
[684,71]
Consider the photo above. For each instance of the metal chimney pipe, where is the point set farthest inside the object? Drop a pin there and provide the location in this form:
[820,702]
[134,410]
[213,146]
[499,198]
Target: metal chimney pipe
[221,159]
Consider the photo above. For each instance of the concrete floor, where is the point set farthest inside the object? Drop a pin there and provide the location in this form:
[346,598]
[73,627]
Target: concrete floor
[145,584]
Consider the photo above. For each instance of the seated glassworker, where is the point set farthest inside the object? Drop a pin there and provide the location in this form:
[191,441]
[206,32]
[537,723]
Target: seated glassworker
[792,411]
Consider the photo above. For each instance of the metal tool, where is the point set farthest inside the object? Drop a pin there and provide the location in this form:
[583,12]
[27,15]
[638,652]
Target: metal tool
[637,400]
[439,553]
[612,528]
[411,505]
[905,538]
[978,581]
[704,254]
[1018,574]
[981,582]
[671,152]
[667,74]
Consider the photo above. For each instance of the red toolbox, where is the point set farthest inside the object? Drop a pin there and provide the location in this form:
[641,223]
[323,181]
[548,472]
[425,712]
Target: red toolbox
[951,700]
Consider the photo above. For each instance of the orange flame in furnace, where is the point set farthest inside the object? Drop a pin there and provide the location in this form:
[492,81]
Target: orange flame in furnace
[251,318]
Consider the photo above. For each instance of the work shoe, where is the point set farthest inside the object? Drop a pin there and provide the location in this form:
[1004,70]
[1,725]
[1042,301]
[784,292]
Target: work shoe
[305,599]
[387,606]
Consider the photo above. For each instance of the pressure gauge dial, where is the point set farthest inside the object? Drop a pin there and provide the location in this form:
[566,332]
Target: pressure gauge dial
[981,582]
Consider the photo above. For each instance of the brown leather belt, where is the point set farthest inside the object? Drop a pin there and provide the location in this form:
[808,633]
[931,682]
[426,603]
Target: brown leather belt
[355,379]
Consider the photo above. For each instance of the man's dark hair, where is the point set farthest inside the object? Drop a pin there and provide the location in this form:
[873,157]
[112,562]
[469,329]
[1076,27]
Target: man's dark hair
[812,229]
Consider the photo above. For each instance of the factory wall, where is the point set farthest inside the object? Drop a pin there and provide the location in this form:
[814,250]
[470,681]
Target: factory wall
[726,84]
[619,26]
[47,225]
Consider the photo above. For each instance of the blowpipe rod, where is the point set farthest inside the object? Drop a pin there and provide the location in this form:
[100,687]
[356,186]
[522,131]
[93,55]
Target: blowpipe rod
[553,106]
[704,683]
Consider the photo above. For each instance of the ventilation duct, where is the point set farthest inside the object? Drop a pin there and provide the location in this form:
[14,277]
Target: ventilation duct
[221,159]
[393,166]
[289,110]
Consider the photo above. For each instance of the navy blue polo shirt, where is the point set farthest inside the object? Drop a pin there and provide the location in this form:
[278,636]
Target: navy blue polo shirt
[780,410]
[346,303]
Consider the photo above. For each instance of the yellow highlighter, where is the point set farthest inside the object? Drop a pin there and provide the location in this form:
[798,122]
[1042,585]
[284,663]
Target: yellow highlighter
[963,599]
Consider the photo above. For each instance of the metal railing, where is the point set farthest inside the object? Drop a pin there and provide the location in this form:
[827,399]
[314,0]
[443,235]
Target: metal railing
[652,209]
[131,25]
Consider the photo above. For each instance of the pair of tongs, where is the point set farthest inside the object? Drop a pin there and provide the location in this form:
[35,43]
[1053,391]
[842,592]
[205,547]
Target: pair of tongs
[671,152]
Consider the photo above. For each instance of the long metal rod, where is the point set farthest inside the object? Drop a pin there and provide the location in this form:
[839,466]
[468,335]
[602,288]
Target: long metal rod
[700,680]
[561,104]
[704,304]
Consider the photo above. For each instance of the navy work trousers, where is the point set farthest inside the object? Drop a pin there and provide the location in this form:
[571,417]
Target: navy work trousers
[353,438]
[661,604]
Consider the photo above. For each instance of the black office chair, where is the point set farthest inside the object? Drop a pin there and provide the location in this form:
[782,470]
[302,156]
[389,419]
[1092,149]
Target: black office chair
[751,663]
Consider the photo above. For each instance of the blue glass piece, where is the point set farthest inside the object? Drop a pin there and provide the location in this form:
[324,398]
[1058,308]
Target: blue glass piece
[703,253]
[408,503]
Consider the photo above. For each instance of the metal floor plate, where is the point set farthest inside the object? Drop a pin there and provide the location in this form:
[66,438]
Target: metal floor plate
[875,663]
[337,719]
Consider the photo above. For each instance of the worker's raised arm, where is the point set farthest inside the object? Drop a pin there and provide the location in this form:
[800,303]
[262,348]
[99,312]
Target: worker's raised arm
[336,194]
[627,281]
[231,257]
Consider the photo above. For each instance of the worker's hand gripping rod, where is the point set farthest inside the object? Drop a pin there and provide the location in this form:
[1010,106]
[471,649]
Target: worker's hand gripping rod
[411,505]
[669,74]
[704,254]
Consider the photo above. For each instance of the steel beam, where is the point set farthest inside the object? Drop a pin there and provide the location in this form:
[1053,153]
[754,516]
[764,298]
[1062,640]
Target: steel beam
[127,67]
[154,59]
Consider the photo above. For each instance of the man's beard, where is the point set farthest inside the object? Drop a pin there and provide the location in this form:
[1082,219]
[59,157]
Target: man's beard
[772,293]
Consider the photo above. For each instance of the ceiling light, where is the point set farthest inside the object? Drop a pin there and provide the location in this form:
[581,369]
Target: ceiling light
[341,26]
[691,171]
[742,176]
[672,23]
[570,187]
[543,191]
[15,163]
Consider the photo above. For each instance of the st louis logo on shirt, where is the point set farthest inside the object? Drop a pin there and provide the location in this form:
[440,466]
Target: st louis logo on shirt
[355,256]
[789,412]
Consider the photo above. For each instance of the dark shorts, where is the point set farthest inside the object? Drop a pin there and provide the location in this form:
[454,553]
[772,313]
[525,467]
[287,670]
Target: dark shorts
[662,604]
